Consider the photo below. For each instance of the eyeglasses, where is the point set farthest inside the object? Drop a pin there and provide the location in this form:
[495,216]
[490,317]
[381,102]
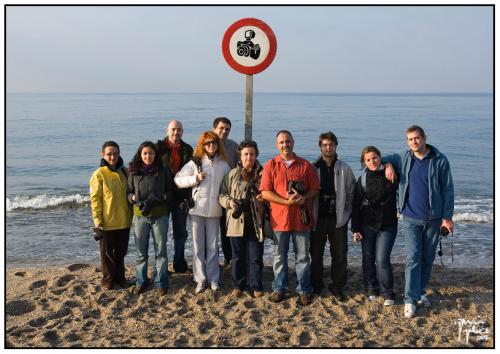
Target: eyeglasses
[210,142]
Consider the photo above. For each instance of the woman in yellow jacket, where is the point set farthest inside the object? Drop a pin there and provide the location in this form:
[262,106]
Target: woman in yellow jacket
[112,214]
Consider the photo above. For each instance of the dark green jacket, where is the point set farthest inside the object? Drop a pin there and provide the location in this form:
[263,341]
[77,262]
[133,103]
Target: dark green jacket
[166,158]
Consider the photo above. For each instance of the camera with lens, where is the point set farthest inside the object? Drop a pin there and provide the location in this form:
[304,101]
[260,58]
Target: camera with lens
[186,204]
[329,200]
[242,205]
[247,48]
[145,207]
[98,233]
[300,188]
[444,232]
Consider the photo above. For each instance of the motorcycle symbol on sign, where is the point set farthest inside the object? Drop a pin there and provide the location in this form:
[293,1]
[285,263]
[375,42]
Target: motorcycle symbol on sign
[247,48]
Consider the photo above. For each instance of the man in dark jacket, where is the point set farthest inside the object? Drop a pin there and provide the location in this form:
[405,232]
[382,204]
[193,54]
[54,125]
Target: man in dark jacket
[175,153]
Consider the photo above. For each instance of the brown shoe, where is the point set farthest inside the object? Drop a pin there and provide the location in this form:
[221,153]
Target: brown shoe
[276,296]
[162,291]
[305,299]
[258,293]
[108,286]
[236,293]
[140,289]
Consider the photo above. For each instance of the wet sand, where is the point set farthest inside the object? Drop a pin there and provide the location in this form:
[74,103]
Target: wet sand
[67,307]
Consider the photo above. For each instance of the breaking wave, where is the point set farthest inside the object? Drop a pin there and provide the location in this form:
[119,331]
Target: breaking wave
[44,201]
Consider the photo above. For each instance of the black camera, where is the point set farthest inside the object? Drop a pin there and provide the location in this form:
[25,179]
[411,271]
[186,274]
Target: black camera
[247,48]
[298,186]
[145,207]
[329,199]
[98,233]
[186,204]
[444,232]
[242,205]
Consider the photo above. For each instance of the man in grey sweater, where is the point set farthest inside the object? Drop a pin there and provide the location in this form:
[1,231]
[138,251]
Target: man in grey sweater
[222,127]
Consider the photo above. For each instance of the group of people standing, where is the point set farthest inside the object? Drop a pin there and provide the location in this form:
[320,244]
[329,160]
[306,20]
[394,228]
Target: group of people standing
[222,187]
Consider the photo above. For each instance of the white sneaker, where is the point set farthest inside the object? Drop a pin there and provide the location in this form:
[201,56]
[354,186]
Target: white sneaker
[410,310]
[388,302]
[215,286]
[372,297]
[424,301]
[200,287]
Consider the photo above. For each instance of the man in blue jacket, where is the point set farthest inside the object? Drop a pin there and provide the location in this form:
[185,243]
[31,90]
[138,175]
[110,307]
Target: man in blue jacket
[426,200]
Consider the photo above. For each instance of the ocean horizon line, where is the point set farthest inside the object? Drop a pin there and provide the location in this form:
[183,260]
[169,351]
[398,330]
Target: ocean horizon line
[325,93]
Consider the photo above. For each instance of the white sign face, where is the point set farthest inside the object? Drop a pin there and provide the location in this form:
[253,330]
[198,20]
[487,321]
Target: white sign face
[249,46]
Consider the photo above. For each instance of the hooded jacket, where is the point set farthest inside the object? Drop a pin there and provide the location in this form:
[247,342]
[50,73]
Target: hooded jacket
[108,197]
[157,186]
[441,191]
[206,193]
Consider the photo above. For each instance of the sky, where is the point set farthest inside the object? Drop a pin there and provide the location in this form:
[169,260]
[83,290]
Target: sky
[89,49]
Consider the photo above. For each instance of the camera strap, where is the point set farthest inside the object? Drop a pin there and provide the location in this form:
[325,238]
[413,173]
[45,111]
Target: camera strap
[440,252]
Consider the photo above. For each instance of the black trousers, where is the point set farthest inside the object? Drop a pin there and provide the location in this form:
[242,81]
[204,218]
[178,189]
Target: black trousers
[225,241]
[113,248]
[338,252]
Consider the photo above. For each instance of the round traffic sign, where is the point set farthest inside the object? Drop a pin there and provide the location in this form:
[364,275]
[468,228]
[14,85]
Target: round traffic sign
[249,46]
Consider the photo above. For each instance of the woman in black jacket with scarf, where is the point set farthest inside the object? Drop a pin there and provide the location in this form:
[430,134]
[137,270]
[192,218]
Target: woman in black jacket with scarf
[150,187]
[374,223]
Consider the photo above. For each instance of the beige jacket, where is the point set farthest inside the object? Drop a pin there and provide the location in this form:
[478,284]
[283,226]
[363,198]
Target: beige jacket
[235,187]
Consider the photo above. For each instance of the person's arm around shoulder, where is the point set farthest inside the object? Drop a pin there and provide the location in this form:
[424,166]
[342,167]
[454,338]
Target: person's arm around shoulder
[392,164]
[96,194]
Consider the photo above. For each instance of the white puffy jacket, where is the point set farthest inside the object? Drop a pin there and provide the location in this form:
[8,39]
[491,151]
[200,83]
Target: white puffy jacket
[206,193]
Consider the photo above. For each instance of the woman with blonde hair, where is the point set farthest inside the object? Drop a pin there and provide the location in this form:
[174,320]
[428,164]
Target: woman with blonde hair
[205,173]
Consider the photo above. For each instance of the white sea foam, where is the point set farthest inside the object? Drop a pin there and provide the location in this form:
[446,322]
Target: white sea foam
[44,201]
[484,217]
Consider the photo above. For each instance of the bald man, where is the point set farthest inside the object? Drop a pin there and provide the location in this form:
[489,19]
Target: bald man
[175,153]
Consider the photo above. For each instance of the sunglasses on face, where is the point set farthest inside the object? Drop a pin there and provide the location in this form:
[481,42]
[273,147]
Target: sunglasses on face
[206,143]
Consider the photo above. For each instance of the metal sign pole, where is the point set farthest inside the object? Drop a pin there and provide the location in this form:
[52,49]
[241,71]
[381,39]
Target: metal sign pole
[248,107]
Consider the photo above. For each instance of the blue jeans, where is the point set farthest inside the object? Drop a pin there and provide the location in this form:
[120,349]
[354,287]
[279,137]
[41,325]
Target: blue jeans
[239,247]
[421,240]
[302,260]
[377,268]
[179,217]
[142,227]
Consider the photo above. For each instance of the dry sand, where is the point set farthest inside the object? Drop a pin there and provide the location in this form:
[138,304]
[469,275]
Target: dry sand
[67,307]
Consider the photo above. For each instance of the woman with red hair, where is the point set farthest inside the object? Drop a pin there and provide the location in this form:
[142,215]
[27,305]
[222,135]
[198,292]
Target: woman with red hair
[205,173]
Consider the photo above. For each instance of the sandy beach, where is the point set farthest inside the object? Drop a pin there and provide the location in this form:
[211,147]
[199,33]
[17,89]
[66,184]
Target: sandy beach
[67,307]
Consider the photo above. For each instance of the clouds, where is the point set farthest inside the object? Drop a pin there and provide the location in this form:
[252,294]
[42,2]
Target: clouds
[178,49]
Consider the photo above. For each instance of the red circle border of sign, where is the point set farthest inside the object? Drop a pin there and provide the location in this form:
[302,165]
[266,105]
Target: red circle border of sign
[249,70]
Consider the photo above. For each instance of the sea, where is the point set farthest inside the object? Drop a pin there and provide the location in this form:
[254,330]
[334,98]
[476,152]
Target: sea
[53,144]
